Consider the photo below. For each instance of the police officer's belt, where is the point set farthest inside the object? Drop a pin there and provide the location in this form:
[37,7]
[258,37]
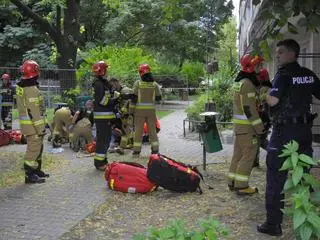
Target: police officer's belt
[304,119]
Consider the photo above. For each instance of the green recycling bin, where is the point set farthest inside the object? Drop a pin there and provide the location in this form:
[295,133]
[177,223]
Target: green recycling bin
[209,133]
[81,100]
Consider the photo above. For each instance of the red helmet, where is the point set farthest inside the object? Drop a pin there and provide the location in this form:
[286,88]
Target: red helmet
[143,69]
[30,69]
[100,68]
[248,62]
[5,76]
[263,75]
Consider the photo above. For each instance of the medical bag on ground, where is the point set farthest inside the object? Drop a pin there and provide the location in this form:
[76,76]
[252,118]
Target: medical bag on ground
[4,138]
[172,175]
[128,177]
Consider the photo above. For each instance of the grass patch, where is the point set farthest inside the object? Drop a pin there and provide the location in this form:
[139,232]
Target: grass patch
[12,172]
[163,113]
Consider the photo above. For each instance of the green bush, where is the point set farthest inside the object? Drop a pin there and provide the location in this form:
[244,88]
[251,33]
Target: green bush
[221,94]
[304,206]
[209,229]
[123,62]
[194,71]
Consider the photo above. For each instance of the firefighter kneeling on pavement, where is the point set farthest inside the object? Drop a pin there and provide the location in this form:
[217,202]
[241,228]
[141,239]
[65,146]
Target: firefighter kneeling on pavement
[147,93]
[81,128]
[62,122]
[31,110]
[247,125]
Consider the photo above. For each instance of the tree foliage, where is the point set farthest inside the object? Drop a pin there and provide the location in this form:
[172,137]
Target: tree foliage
[283,14]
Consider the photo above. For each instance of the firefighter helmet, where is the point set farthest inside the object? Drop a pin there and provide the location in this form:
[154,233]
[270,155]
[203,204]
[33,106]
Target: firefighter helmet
[143,69]
[5,76]
[100,68]
[263,75]
[30,69]
[248,62]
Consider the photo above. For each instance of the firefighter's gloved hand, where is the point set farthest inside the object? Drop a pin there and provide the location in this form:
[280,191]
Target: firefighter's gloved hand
[118,115]
[116,94]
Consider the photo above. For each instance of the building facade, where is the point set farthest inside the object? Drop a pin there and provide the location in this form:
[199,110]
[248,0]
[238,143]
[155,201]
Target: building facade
[251,28]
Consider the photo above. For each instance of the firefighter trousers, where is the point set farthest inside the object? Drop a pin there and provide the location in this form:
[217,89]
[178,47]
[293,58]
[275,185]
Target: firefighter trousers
[127,137]
[244,153]
[81,134]
[151,121]
[33,156]
[103,129]
[276,179]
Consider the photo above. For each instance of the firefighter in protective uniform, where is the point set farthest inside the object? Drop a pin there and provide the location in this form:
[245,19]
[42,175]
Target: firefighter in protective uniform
[62,122]
[263,109]
[81,130]
[105,100]
[7,103]
[31,110]
[126,111]
[147,93]
[247,125]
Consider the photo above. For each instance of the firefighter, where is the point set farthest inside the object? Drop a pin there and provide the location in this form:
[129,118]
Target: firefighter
[62,121]
[263,109]
[31,110]
[247,125]
[147,93]
[7,93]
[126,109]
[105,100]
[81,129]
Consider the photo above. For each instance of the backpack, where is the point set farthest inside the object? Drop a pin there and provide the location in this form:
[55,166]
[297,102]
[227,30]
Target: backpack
[128,177]
[173,175]
[4,138]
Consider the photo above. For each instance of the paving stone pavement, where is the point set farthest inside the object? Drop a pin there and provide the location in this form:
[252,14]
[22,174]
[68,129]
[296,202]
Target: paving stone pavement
[46,211]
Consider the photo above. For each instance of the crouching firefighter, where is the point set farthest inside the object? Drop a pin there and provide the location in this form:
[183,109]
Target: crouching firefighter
[105,100]
[247,125]
[31,110]
[147,93]
[62,122]
[81,130]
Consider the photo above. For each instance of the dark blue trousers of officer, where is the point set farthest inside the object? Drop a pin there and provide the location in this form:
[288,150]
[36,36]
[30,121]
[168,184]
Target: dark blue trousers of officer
[281,135]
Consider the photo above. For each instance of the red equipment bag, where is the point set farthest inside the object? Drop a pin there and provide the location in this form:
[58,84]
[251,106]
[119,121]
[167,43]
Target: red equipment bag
[174,176]
[17,137]
[91,147]
[128,177]
[4,138]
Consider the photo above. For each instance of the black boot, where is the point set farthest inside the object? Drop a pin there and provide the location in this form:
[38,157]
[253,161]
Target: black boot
[270,229]
[100,165]
[31,177]
[41,174]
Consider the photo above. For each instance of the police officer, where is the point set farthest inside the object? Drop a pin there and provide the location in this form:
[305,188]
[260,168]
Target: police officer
[31,110]
[105,100]
[290,98]
[247,125]
[147,93]
[7,93]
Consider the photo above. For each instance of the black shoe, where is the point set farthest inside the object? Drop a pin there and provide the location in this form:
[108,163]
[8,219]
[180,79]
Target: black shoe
[270,229]
[231,187]
[41,174]
[154,152]
[135,153]
[33,178]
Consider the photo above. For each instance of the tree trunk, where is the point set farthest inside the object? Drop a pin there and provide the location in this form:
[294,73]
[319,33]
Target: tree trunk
[68,44]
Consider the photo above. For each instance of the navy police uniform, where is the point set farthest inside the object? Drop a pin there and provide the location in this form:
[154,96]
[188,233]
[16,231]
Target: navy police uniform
[291,118]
